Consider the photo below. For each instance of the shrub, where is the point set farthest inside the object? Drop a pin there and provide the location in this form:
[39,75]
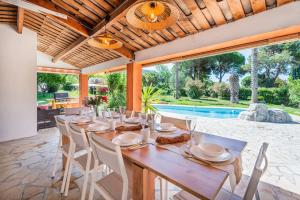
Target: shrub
[194,88]
[267,93]
[274,95]
[281,95]
[220,90]
[245,93]
[294,92]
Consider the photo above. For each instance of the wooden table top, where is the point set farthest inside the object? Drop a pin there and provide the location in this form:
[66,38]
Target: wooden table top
[200,180]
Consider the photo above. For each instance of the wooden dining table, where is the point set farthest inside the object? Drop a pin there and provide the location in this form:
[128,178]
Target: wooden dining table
[202,180]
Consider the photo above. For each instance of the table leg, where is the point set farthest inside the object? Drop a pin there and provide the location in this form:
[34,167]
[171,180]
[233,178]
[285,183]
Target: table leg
[143,184]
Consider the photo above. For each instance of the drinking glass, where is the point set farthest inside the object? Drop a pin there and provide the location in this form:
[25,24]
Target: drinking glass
[108,110]
[191,125]
[143,119]
[122,110]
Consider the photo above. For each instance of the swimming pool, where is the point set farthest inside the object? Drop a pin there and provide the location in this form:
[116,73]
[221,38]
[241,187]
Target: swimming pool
[211,112]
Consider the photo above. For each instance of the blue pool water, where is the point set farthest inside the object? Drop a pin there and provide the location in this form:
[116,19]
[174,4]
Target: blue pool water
[201,111]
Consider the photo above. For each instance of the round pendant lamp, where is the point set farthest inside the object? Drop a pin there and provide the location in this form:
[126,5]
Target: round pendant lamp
[105,41]
[152,14]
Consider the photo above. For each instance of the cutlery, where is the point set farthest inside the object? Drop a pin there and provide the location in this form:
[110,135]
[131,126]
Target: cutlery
[138,146]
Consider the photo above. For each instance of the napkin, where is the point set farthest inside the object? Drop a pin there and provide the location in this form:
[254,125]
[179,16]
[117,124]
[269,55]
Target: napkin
[173,139]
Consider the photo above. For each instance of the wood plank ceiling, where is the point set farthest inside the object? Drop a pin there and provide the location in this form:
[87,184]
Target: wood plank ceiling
[59,39]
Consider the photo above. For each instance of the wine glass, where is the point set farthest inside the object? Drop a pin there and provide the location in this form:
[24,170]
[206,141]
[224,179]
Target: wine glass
[122,110]
[191,125]
[143,119]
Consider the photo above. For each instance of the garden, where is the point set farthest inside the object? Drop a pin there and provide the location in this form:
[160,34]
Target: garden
[221,81]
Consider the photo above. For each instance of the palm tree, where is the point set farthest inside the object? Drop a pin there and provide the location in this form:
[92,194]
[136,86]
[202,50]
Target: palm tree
[254,77]
[176,81]
[234,87]
[149,95]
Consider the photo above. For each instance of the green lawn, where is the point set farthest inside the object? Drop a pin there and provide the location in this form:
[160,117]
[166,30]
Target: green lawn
[207,101]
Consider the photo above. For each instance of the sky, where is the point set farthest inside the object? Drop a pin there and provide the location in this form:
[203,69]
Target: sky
[245,52]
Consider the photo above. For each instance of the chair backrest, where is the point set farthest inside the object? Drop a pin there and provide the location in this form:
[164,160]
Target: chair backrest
[179,123]
[106,152]
[78,136]
[72,111]
[62,126]
[257,173]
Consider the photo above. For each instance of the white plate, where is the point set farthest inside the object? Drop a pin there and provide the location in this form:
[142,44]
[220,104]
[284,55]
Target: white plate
[98,127]
[133,120]
[212,150]
[169,128]
[127,139]
[80,120]
[196,151]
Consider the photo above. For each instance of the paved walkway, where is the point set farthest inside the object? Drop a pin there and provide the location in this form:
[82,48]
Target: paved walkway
[283,152]
[25,164]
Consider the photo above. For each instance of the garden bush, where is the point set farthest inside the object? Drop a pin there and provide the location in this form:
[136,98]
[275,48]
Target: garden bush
[294,92]
[245,93]
[274,95]
[220,90]
[267,93]
[194,88]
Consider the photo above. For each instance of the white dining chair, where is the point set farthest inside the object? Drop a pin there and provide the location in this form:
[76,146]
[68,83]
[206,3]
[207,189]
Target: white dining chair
[116,184]
[65,149]
[251,190]
[179,123]
[85,162]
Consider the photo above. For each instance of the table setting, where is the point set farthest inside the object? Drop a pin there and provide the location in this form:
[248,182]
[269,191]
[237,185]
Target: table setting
[139,135]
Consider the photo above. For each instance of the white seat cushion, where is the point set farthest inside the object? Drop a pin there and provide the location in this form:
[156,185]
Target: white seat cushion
[113,186]
[222,195]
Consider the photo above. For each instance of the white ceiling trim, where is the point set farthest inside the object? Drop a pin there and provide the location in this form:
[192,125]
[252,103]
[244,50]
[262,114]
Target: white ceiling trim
[44,60]
[105,65]
[274,19]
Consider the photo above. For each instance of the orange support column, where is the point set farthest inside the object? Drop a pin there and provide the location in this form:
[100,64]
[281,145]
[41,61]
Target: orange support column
[83,87]
[134,87]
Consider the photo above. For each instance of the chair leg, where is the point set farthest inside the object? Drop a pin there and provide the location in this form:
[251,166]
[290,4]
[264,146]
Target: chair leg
[84,186]
[92,190]
[68,179]
[163,189]
[67,169]
[55,163]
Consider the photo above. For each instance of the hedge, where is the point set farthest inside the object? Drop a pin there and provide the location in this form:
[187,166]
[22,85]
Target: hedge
[269,95]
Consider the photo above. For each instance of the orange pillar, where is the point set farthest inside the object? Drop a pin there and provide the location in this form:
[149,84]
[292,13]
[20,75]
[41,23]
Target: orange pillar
[83,87]
[134,87]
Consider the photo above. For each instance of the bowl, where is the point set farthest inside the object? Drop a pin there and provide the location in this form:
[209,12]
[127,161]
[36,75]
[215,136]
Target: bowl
[166,126]
[212,150]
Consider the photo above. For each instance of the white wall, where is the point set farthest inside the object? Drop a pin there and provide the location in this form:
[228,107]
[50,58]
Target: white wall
[44,60]
[17,83]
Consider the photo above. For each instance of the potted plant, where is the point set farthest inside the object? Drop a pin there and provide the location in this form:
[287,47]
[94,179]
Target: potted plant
[98,99]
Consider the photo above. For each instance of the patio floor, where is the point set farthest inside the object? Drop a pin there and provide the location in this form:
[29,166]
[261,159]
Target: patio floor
[26,164]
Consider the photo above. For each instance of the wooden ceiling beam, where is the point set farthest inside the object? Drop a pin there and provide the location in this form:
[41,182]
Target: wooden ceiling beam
[20,20]
[118,13]
[71,22]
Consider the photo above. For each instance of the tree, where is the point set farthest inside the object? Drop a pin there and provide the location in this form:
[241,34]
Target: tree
[273,61]
[49,82]
[177,81]
[246,82]
[160,78]
[254,78]
[117,89]
[234,88]
[229,62]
